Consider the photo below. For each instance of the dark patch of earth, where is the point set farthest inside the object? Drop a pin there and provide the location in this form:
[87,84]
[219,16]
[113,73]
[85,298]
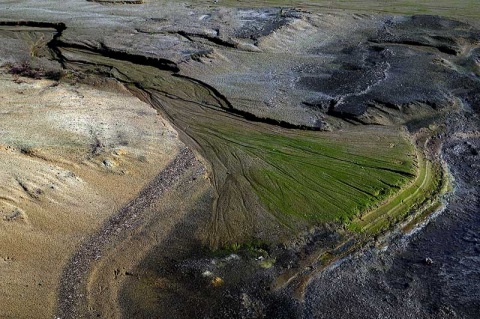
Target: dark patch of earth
[411,60]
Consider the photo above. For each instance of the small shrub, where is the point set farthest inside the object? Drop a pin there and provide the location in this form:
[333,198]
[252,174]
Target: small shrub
[25,69]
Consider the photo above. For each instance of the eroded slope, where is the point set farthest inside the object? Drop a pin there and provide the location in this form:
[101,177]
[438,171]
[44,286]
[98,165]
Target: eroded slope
[67,153]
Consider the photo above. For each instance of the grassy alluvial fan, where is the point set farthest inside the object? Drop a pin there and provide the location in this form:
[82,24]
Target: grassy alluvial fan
[321,176]
[271,100]
[271,181]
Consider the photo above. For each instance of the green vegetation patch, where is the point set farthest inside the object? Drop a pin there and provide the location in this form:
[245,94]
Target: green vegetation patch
[321,176]
[266,176]
[425,187]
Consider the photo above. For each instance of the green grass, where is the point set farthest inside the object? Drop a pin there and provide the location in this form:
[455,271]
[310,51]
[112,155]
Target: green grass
[266,176]
[319,177]
[425,186]
[300,177]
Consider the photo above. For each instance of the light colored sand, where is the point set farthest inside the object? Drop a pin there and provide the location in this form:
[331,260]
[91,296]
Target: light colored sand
[70,156]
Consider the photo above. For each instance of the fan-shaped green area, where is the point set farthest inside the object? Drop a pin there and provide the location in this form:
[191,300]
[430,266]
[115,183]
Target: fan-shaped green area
[271,181]
[425,189]
[320,176]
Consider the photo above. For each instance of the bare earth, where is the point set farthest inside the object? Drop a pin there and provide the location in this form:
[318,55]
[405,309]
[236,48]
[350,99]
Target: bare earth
[70,156]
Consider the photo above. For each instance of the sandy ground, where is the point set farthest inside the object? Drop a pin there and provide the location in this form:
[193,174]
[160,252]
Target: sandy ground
[70,156]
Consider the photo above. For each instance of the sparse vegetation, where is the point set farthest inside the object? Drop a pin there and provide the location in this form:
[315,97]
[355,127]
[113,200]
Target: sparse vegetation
[27,70]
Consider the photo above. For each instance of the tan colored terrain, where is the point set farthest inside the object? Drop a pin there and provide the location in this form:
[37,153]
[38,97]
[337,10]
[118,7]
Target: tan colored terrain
[70,156]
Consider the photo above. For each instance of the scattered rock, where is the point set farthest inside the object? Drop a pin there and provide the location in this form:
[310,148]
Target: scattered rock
[12,213]
[428,261]
[217,282]
[109,163]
